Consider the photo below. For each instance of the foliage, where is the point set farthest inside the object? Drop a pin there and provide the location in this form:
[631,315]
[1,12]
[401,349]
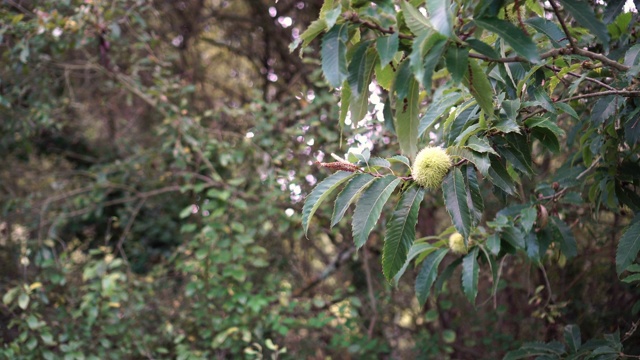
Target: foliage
[156,155]
[540,99]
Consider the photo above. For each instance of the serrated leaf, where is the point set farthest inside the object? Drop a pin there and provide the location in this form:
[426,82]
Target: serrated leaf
[513,236]
[345,103]
[500,177]
[455,198]
[507,126]
[407,120]
[457,60]
[440,16]
[387,47]
[628,246]
[470,270]
[480,145]
[481,161]
[535,349]
[347,196]
[478,83]
[431,60]
[584,15]
[440,106]
[474,197]
[320,193]
[567,241]
[401,83]
[572,337]
[416,22]
[528,218]
[401,231]
[493,244]
[401,159]
[369,207]
[513,35]
[445,275]
[483,48]
[533,248]
[515,149]
[314,29]
[334,55]
[360,104]
[357,70]
[332,16]
[428,273]
[415,250]
[632,278]
[379,162]
[550,29]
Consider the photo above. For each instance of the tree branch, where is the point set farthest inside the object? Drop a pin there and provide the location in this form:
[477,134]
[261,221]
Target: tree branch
[556,10]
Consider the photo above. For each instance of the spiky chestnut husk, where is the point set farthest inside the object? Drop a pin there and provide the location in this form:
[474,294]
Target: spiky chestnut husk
[430,167]
[456,243]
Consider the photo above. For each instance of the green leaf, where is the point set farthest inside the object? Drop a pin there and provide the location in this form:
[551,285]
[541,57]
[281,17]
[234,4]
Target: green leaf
[550,29]
[445,275]
[320,193]
[632,278]
[500,177]
[584,15]
[567,241]
[357,70]
[415,250]
[369,207]
[10,295]
[628,246]
[470,269]
[431,60]
[478,83]
[474,197]
[387,47]
[513,35]
[334,55]
[480,145]
[515,149]
[350,192]
[401,159]
[440,106]
[493,244]
[407,120]
[314,29]
[513,236]
[572,337]
[528,218]
[457,60]
[483,48]
[360,104]
[23,301]
[428,273]
[533,248]
[345,102]
[528,350]
[416,22]
[455,198]
[440,16]
[401,231]
[481,161]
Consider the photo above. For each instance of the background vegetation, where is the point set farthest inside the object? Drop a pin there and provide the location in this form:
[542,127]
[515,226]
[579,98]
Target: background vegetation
[156,155]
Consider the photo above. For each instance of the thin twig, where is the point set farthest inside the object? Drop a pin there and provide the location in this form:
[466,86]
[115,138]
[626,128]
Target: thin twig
[626,93]
[127,229]
[372,296]
[556,10]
